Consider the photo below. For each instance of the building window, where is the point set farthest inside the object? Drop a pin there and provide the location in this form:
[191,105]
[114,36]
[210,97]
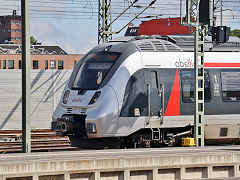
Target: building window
[75,63]
[60,64]
[20,64]
[10,64]
[188,86]
[4,64]
[35,64]
[231,85]
[52,64]
[46,64]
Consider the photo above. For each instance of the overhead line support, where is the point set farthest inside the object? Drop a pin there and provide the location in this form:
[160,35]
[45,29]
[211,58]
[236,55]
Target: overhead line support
[199,84]
[105,20]
[200,29]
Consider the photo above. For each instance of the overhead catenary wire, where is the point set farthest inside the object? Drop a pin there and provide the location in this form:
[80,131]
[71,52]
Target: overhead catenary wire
[86,9]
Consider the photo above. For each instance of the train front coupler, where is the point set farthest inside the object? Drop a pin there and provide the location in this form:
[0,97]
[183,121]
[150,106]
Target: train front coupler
[70,125]
[63,125]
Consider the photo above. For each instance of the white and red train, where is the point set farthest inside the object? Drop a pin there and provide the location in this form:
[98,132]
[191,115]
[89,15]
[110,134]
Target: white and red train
[139,92]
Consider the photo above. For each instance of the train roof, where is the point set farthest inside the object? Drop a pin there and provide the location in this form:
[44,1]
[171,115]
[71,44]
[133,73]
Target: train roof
[187,44]
[177,43]
[149,43]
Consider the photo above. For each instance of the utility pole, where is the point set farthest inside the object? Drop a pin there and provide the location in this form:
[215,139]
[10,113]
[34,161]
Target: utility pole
[192,7]
[104,20]
[26,80]
[221,18]
[181,22]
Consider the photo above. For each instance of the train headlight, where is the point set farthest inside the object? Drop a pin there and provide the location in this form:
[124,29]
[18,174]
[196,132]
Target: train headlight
[65,96]
[95,97]
[91,128]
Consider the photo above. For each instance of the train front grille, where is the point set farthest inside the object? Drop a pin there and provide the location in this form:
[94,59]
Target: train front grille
[83,110]
[69,110]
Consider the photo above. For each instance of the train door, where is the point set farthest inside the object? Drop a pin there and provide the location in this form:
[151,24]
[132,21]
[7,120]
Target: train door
[155,91]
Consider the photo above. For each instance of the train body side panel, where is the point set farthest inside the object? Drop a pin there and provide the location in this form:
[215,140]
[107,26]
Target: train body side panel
[169,67]
[119,83]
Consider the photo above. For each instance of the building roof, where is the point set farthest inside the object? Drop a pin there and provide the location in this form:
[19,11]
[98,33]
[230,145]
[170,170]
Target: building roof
[35,49]
[11,17]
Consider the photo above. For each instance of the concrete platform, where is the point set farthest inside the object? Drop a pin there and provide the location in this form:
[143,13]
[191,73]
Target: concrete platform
[221,162]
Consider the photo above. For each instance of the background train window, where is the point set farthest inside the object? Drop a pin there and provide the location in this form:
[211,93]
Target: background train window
[231,85]
[187,77]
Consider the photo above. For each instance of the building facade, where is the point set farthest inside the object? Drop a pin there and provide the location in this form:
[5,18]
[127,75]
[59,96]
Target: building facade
[10,29]
[40,61]
[42,57]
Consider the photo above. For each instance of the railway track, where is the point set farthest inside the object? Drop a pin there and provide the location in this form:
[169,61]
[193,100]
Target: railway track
[41,140]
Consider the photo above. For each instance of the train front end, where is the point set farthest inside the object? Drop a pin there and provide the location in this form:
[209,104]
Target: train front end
[82,112]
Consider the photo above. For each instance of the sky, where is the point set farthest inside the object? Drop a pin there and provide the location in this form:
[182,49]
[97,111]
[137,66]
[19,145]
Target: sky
[73,24]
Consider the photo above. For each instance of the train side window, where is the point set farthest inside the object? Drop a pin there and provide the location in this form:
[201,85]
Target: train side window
[231,85]
[187,78]
[154,80]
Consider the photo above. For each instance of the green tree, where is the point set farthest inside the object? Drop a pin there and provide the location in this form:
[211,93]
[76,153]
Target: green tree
[32,40]
[235,32]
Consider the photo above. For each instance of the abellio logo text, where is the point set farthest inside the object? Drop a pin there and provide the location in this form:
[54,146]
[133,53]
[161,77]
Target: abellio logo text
[78,100]
[187,63]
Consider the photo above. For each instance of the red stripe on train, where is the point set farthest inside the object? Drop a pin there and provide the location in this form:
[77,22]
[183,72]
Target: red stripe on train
[221,64]
[173,107]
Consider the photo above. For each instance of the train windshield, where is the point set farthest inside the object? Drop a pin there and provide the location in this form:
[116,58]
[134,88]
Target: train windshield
[94,69]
